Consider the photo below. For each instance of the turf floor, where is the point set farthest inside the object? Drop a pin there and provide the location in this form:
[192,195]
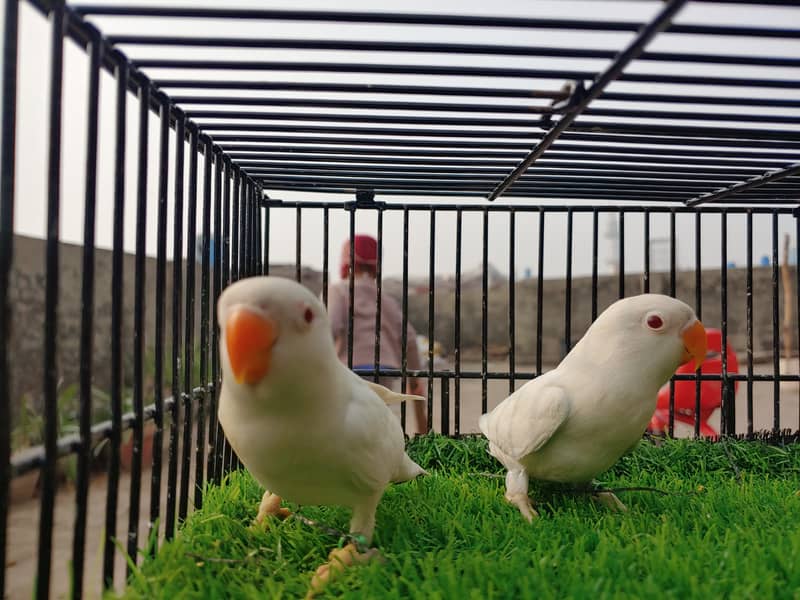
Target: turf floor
[728,526]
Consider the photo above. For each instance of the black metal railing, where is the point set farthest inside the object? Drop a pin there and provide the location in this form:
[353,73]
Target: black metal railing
[580,143]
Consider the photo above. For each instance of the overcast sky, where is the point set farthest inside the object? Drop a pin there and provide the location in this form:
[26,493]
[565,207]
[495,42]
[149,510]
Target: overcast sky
[33,131]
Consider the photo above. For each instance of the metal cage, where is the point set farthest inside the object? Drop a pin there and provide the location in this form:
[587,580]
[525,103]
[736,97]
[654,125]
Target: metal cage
[679,135]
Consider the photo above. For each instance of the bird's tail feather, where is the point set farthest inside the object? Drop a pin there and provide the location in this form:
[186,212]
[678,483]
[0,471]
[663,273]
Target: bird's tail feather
[483,424]
[408,470]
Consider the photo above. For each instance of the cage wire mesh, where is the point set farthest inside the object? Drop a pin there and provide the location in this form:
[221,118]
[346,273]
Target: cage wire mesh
[520,173]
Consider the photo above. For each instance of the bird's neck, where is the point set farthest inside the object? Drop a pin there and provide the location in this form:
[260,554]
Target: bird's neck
[303,390]
[626,365]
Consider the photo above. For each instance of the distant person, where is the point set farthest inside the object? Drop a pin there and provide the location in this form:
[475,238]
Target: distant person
[365,264]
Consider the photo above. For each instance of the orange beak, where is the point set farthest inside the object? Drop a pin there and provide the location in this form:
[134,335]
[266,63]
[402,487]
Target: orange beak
[249,337]
[695,344]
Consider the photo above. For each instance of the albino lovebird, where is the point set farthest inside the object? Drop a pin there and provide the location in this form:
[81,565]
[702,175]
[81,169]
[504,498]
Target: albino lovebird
[572,423]
[305,426]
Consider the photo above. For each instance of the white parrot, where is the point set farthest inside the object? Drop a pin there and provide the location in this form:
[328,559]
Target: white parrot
[305,426]
[574,422]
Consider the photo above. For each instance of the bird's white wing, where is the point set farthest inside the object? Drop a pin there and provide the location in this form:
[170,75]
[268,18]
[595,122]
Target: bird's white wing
[372,439]
[526,420]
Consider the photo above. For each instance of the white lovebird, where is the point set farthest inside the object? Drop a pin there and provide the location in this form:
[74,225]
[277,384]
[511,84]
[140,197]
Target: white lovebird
[574,422]
[305,426]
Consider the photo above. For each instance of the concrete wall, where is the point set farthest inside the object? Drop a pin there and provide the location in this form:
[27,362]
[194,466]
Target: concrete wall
[28,300]
[27,294]
[554,310]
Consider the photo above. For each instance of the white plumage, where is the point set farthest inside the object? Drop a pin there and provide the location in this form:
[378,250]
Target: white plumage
[304,425]
[574,422]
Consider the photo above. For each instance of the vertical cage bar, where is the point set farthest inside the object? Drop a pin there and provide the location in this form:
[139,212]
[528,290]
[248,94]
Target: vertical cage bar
[160,302]
[229,459]
[245,247]
[698,308]
[298,274]
[244,240]
[512,278]
[237,182]
[404,328]
[378,298]
[646,277]
[226,224]
[254,247]
[50,383]
[672,291]
[203,398]
[485,314]
[138,326]
[267,239]
[749,309]
[263,231]
[673,266]
[325,254]
[728,409]
[796,215]
[257,260]
[457,332]
[87,321]
[224,448]
[255,251]
[257,226]
[177,314]
[7,167]
[115,439]
[227,262]
[251,227]
[445,416]
[595,227]
[243,260]
[540,295]
[776,331]
[568,289]
[215,434]
[621,254]
[431,312]
[188,333]
[258,217]
[351,291]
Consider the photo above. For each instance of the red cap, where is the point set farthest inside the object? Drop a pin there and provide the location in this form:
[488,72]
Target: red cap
[365,252]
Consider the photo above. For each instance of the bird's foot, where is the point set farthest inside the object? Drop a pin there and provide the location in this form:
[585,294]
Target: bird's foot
[523,503]
[610,501]
[270,506]
[338,560]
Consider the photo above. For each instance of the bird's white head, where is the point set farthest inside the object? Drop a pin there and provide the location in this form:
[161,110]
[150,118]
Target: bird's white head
[271,326]
[649,329]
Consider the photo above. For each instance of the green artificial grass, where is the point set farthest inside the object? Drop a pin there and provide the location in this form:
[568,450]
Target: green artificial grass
[728,528]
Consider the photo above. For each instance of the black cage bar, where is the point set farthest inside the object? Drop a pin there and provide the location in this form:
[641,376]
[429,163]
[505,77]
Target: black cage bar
[518,173]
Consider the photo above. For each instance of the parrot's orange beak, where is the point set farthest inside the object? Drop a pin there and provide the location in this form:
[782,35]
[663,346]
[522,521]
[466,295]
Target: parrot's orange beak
[249,337]
[695,344]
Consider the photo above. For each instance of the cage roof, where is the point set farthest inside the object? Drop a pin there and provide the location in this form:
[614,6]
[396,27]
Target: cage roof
[681,102]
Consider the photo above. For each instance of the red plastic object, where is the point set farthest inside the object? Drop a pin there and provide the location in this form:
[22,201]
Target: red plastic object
[710,391]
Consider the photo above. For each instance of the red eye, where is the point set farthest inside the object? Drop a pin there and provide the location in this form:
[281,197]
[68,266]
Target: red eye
[308,315]
[655,322]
